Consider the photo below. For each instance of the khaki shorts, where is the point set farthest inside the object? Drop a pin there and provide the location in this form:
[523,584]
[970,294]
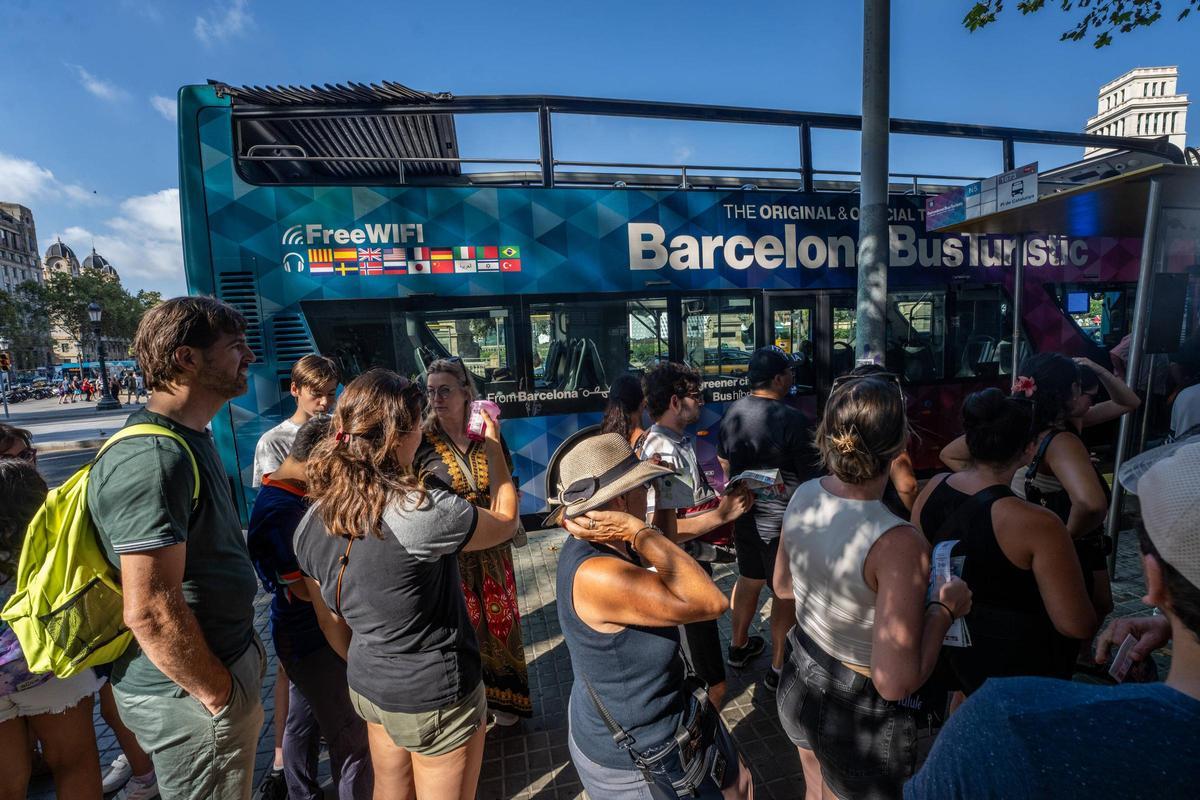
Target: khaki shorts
[428,733]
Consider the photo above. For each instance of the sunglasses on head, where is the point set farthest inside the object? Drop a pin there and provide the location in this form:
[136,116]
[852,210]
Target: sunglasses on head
[890,377]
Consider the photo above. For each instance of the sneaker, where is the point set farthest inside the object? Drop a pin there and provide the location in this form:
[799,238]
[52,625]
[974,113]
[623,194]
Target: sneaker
[771,680]
[273,787]
[119,773]
[137,789]
[741,656]
[505,719]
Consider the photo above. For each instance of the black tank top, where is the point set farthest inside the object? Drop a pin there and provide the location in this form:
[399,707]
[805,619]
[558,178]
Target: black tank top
[638,673]
[1010,630]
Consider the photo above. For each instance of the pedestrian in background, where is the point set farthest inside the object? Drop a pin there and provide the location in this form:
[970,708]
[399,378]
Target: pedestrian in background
[190,687]
[57,712]
[319,702]
[624,410]
[449,457]
[762,432]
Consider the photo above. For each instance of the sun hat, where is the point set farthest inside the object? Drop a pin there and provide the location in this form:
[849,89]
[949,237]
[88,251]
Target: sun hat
[766,363]
[1166,481]
[596,470]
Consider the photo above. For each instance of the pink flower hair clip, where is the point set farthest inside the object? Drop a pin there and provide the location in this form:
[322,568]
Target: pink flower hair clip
[1024,385]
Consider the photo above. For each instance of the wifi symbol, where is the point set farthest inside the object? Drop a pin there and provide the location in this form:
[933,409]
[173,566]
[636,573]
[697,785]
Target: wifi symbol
[294,235]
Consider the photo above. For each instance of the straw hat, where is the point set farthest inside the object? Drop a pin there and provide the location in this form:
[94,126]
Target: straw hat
[596,470]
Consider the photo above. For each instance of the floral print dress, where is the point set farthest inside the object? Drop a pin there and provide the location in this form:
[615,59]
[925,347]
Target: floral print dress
[488,584]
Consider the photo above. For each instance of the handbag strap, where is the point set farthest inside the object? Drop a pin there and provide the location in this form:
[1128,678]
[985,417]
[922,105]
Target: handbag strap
[343,559]
[621,736]
[1032,470]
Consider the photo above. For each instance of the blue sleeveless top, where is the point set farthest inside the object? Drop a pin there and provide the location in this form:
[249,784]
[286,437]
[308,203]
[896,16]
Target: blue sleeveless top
[638,673]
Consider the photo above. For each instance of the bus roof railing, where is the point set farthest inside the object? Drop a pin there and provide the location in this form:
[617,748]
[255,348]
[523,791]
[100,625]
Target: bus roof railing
[348,117]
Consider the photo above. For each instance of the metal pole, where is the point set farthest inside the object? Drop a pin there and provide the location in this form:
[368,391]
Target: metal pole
[1018,302]
[4,392]
[1010,155]
[873,241]
[806,165]
[546,150]
[107,401]
[1149,240]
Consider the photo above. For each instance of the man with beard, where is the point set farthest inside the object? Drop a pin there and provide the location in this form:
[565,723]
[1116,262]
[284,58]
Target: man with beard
[189,687]
[673,399]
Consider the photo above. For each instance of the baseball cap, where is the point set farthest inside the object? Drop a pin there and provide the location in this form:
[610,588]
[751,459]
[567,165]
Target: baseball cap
[1166,481]
[766,363]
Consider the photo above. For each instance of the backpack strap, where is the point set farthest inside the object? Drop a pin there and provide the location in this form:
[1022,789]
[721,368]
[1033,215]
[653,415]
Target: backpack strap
[150,429]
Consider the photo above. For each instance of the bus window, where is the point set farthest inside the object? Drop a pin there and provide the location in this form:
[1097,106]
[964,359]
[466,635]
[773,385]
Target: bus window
[915,335]
[582,346]
[793,335]
[718,334]
[845,323]
[981,333]
[407,337]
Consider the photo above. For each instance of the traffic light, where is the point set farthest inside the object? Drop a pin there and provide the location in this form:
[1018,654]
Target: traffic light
[5,362]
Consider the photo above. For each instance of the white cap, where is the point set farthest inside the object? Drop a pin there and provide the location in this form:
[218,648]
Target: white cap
[1166,481]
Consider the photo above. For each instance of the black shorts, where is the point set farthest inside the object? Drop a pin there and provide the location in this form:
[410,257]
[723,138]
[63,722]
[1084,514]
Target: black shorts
[702,643]
[867,746]
[755,558]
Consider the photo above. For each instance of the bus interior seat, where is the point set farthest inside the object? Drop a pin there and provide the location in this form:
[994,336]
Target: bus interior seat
[978,351]
[553,366]
[590,370]
[1004,356]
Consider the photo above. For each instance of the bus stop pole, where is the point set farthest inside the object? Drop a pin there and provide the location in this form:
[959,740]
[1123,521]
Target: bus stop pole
[1018,304]
[874,244]
[1133,370]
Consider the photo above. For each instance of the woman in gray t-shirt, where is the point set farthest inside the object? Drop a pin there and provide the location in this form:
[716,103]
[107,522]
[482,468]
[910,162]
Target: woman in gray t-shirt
[379,555]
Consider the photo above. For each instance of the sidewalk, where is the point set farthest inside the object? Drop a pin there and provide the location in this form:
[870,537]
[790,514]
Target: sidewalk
[75,426]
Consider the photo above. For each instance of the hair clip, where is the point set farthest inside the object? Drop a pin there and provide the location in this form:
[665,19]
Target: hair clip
[342,436]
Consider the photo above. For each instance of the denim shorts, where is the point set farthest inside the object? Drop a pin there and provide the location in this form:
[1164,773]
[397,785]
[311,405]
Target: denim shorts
[608,783]
[866,745]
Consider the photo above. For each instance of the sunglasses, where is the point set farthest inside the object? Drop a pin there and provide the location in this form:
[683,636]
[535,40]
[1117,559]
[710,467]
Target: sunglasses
[891,377]
[29,454]
[442,392]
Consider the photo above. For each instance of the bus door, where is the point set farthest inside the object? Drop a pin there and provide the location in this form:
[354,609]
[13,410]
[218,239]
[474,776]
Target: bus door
[790,323]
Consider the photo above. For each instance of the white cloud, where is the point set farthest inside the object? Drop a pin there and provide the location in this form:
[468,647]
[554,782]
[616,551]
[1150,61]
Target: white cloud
[98,87]
[165,106]
[27,182]
[220,24]
[143,242]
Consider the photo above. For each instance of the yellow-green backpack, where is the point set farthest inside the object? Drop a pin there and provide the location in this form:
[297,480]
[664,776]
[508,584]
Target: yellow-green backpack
[67,608]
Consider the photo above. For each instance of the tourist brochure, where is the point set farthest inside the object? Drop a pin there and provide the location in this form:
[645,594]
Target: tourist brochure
[765,483]
[944,566]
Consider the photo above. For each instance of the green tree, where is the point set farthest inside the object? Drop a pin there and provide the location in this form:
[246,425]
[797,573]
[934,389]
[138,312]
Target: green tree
[19,322]
[63,300]
[1103,17]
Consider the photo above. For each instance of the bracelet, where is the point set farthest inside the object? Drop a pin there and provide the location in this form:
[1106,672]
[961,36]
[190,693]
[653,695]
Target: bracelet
[943,605]
[633,539]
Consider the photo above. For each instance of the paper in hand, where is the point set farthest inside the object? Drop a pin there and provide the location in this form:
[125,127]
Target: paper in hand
[1122,661]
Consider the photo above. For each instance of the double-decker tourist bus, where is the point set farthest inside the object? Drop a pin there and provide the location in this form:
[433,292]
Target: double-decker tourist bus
[342,220]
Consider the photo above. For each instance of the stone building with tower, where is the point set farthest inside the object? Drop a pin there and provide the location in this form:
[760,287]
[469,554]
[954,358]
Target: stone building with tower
[1144,102]
[67,349]
[19,263]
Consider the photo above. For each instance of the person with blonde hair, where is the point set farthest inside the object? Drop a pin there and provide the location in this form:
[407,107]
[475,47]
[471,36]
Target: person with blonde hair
[448,458]
[865,636]
[379,554]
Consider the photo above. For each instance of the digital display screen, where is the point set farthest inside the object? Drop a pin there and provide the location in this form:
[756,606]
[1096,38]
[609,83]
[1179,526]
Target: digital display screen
[1078,302]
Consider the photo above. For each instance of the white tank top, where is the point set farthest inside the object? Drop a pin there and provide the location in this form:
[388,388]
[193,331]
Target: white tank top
[827,539]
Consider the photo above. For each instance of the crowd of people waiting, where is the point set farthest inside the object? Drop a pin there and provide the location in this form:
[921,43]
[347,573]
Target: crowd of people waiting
[383,531]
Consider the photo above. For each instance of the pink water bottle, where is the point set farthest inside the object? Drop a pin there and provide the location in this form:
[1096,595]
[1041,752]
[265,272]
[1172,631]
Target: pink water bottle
[475,425]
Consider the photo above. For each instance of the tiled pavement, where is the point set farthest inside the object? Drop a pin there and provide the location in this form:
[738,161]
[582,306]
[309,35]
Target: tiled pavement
[530,761]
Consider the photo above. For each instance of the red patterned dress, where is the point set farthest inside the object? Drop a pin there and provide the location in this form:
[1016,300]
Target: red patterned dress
[488,584]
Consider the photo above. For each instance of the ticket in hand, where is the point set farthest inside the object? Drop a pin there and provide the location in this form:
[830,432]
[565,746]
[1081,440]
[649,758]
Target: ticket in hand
[1122,661]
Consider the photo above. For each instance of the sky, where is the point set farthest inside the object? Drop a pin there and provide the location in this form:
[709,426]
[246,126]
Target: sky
[88,137]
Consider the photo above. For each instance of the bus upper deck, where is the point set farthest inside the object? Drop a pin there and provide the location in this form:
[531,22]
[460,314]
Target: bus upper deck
[342,221]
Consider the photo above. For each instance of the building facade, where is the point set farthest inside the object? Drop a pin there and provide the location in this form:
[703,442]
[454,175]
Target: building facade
[1143,102]
[66,347]
[19,263]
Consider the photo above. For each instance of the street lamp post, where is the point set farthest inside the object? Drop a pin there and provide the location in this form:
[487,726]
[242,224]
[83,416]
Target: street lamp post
[108,400]
[4,345]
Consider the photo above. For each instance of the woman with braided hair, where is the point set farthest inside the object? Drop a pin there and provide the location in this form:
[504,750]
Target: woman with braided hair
[865,636]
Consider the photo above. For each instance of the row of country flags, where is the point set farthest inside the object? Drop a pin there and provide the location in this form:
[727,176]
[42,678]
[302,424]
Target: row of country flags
[412,260]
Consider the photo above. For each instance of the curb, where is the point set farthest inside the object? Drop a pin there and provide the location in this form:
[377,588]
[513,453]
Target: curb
[80,444]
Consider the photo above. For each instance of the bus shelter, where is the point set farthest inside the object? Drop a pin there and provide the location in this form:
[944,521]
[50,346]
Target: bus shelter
[1158,205]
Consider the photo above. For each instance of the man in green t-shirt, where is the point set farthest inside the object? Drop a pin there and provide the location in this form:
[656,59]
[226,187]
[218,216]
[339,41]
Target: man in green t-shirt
[189,688]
